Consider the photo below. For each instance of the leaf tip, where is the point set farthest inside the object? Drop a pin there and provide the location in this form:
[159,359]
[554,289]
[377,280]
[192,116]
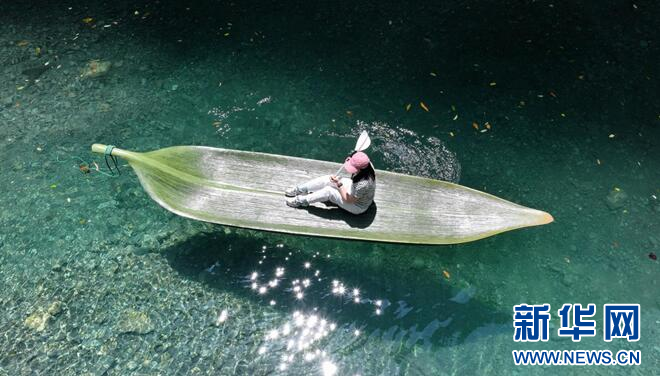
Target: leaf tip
[545,218]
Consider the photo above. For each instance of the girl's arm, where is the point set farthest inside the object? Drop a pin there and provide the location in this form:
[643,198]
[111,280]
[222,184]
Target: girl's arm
[345,195]
[343,191]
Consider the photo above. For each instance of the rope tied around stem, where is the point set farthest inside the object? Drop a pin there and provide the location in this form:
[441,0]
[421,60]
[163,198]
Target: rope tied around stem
[108,153]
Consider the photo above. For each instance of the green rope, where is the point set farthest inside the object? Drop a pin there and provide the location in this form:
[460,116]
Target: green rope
[108,153]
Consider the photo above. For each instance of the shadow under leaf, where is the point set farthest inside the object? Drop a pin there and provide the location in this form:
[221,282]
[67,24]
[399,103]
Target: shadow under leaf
[387,290]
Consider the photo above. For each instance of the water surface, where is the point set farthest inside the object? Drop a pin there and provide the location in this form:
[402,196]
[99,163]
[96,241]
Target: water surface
[96,278]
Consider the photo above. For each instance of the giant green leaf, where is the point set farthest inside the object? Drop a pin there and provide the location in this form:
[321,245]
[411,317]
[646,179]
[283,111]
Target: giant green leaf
[245,189]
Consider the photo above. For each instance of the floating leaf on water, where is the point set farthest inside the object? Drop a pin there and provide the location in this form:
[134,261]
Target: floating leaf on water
[408,107]
[446,274]
[455,117]
[22,43]
[453,108]
[423,106]
[475,125]
[487,124]
[611,135]
[493,83]
[180,180]
[433,74]
[451,134]
[87,20]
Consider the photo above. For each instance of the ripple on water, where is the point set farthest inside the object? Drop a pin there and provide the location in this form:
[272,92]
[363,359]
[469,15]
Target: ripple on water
[407,152]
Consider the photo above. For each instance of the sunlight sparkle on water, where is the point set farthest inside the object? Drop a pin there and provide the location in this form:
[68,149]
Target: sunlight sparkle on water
[297,340]
[328,368]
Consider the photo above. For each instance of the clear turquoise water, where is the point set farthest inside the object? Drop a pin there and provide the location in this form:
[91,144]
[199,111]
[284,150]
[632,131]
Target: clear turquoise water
[122,286]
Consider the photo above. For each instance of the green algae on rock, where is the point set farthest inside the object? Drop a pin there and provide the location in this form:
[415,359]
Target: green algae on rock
[133,321]
[38,320]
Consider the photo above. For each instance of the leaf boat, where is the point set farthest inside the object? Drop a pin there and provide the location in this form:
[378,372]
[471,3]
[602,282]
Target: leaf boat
[245,189]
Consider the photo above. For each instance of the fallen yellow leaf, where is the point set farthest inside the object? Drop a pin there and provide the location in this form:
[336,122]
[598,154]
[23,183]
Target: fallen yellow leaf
[408,107]
[22,43]
[446,274]
[475,125]
[493,83]
[87,20]
[421,104]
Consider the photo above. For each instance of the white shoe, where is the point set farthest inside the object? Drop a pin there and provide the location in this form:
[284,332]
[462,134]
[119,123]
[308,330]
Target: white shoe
[297,202]
[293,191]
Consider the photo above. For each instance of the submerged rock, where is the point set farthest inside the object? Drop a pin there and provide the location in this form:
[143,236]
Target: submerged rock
[35,72]
[96,68]
[464,296]
[616,199]
[55,308]
[135,322]
[38,320]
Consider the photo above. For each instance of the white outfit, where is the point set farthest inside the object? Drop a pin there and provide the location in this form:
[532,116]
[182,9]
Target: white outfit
[322,189]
